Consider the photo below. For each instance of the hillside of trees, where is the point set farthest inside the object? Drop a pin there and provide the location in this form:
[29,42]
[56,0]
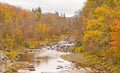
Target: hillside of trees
[20,28]
[100,44]
[96,30]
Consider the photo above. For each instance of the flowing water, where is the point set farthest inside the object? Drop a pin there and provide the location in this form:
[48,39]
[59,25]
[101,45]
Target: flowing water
[47,60]
[53,62]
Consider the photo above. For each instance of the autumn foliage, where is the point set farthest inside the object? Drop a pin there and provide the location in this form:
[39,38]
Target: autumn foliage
[20,28]
[101,40]
[97,27]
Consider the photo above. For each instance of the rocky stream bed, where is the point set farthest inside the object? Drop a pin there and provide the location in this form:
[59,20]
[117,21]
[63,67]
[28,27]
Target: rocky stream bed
[46,59]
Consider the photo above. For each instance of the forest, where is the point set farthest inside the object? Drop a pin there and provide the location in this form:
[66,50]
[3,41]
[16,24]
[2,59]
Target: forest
[100,41]
[96,31]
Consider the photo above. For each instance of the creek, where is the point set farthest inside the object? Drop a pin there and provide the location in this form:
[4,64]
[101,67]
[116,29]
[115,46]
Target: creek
[46,59]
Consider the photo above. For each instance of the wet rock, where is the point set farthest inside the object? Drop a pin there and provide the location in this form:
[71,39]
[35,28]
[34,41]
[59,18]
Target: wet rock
[30,69]
[60,61]
[59,67]
[3,57]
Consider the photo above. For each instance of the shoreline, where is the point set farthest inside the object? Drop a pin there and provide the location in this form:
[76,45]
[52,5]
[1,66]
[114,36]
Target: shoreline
[77,59]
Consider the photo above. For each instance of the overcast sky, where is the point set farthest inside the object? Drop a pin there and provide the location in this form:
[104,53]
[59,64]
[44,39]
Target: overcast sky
[62,6]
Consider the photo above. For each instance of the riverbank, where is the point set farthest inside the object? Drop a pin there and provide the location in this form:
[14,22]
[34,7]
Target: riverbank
[47,58]
[78,59]
[9,58]
[50,61]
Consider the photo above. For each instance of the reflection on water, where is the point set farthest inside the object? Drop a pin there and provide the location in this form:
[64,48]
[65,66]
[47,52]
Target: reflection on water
[49,61]
[28,57]
[37,62]
[50,64]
